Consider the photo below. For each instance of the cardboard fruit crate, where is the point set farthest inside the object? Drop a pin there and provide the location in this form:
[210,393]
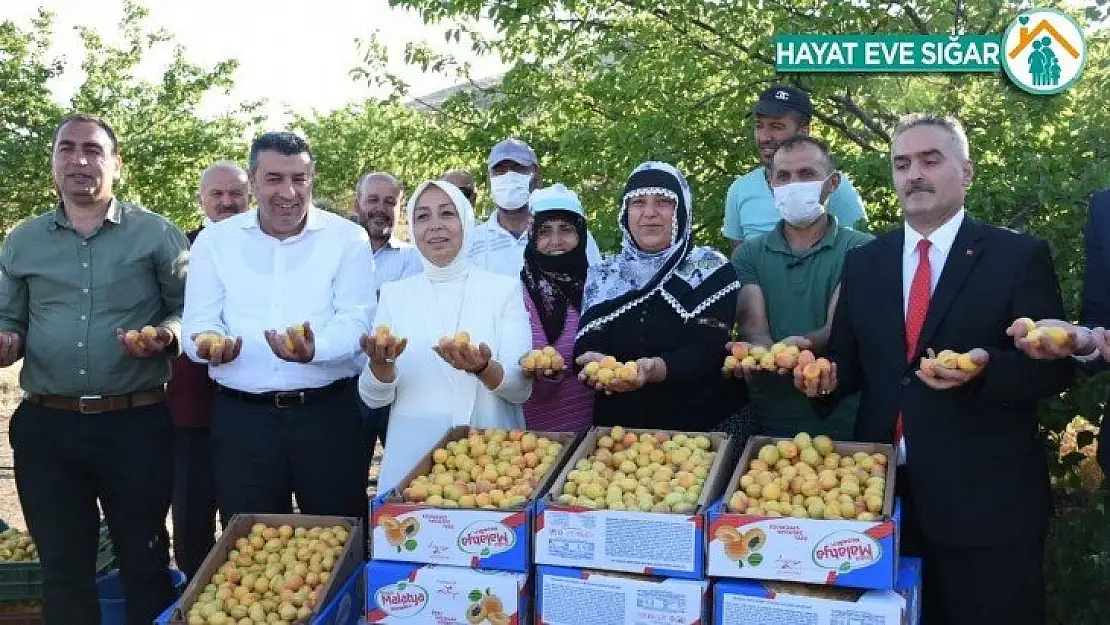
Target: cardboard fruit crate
[487,539]
[741,602]
[860,554]
[650,543]
[350,560]
[566,596]
[401,592]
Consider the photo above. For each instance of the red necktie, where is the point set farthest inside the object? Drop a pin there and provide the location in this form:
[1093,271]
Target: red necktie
[920,289]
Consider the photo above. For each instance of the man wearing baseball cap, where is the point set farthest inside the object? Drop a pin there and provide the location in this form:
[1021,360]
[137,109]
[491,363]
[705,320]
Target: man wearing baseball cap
[781,112]
[499,242]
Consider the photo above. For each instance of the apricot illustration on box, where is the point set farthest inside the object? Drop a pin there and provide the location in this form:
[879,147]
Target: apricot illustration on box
[400,532]
[485,608]
[742,546]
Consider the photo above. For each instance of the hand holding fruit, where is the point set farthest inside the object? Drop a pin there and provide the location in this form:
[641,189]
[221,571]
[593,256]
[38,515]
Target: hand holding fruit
[9,348]
[146,342]
[297,344]
[949,369]
[216,348]
[635,375]
[1050,339]
[1101,338]
[461,354]
[383,347]
[816,378]
[546,362]
[606,373]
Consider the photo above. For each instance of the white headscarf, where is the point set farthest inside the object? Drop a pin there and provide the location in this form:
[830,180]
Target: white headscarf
[460,264]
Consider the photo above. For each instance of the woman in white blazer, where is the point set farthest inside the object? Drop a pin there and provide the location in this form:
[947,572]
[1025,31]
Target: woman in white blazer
[433,384]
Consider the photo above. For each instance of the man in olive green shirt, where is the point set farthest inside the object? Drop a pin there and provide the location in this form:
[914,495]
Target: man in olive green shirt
[78,285]
[790,278]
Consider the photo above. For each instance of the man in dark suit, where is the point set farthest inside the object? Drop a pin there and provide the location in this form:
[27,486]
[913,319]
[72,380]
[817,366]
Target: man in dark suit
[189,395]
[1088,343]
[973,477]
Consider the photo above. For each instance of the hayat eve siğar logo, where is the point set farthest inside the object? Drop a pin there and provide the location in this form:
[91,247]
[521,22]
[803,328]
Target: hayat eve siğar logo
[1043,51]
[486,538]
[402,599]
[845,551]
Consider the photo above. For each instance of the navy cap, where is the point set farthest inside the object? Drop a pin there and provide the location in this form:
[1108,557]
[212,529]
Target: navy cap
[781,99]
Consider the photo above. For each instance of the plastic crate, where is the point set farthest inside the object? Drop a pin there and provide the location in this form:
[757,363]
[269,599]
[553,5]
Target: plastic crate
[22,581]
[21,614]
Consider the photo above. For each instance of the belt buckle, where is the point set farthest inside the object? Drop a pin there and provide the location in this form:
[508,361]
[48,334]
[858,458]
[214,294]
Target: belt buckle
[295,397]
[81,403]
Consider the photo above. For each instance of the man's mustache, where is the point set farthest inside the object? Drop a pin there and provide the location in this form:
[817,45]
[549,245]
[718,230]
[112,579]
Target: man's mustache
[919,186]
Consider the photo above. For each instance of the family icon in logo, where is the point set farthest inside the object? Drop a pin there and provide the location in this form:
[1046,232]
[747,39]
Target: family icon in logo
[1044,51]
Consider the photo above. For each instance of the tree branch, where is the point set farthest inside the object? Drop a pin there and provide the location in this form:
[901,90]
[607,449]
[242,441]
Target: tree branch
[866,118]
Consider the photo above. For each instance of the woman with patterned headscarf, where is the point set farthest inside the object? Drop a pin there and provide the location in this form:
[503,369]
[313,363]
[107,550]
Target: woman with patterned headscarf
[665,304]
[554,275]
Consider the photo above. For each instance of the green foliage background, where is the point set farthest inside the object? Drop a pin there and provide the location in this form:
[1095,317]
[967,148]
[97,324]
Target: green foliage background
[597,87]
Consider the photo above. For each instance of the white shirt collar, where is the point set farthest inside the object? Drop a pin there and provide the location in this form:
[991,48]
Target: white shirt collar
[942,238]
[494,224]
[312,220]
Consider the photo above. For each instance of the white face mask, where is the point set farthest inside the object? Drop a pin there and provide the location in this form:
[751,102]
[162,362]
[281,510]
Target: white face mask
[799,203]
[510,190]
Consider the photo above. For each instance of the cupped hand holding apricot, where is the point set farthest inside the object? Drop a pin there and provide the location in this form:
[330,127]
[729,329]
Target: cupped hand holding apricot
[146,342]
[382,347]
[817,378]
[463,355]
[216,348]
[296,344]
[1050,339]
[950,369]
[546,362]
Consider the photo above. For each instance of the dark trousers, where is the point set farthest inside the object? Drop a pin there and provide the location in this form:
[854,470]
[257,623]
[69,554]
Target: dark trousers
[375,422]
[262,455]
[64,462]
[1001,583]
[194,498]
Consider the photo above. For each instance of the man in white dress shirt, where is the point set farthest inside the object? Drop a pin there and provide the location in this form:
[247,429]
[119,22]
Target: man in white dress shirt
[285,419]
[498,243]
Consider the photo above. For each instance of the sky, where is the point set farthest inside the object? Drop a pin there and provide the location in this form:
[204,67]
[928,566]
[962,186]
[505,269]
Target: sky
[292,52]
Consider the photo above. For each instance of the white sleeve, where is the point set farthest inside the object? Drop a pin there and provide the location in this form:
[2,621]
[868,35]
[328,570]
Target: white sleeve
[516,340]
[353,300]
[204,296]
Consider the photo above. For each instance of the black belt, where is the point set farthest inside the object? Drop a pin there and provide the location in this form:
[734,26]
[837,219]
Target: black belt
[287,399]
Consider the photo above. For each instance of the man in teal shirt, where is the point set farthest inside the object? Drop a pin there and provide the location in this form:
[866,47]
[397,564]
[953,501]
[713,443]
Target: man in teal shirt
[790,278]
[76,285]
[780,113]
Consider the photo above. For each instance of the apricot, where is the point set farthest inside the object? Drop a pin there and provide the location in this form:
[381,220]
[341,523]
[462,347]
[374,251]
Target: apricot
[965,363]
[812,371]
[948,359]
[740,350]
[462,338]
[785,360]
[1056,335]
[767,362]
[1027,323]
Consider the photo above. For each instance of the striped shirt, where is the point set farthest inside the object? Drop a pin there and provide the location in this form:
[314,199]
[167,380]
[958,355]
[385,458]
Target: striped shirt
[564,405]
